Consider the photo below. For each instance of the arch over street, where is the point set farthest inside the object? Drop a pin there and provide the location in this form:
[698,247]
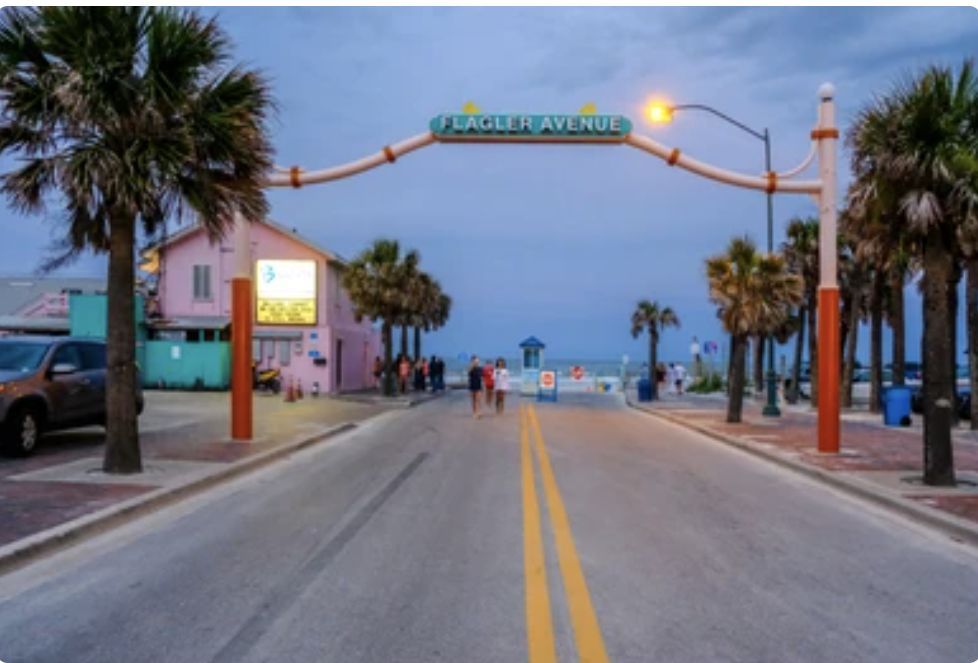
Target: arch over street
[577,129]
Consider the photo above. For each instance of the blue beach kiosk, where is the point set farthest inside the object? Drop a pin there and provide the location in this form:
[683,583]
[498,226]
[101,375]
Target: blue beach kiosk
[532,348]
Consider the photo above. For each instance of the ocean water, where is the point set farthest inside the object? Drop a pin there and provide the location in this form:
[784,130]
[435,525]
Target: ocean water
[592,367]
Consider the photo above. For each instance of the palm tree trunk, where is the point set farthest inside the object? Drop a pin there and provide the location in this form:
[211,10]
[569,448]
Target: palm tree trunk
[799,348]
[417,343]
[938,382]
[758,366]
[813,347]
[898,324]
[952,330]
[730,360]
[653,359]
[388,338]
[971,299]
[849,363]
[404,340]
[845,322]
[876,342]
[738,373]
[122,454]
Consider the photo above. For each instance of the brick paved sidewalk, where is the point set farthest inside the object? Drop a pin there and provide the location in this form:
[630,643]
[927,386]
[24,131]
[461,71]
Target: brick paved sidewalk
[183,435]
[890,458]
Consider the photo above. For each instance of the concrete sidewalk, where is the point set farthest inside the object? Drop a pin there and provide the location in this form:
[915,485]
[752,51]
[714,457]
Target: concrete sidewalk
[879,463]
[60,493]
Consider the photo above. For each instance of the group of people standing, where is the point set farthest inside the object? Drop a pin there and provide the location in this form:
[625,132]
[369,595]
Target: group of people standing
[671,377]
[421,374]
[489,382]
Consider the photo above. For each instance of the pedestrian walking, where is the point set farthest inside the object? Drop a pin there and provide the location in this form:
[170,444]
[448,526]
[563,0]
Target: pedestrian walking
[378,371]
[488,383]
[501,379]
[680,376]
[440,373]
[433,373]
[403,372]
[419,375]
[671,378]
[475,385]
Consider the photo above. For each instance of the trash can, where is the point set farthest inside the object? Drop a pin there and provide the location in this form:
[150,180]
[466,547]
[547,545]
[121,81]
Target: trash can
[644,390]
[896,406]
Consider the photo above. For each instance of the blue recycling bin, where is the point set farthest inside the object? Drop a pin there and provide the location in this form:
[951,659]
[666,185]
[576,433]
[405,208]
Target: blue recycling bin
[644,390]
[896,405]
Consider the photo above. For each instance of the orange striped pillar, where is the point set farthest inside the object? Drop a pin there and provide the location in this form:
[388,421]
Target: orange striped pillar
[829,361]
[241,323]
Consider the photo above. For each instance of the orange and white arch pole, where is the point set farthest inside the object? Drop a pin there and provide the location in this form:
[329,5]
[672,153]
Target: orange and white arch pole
[241,324]
[824,137]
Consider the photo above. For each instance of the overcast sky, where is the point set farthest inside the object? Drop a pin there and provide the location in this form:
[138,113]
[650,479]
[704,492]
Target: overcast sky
[556,241]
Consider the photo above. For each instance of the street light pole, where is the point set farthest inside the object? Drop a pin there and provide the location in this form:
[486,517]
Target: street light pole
[771,407]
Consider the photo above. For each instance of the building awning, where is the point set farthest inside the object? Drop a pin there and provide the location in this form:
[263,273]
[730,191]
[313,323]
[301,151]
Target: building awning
[276,334]
[201,322]
[38,325]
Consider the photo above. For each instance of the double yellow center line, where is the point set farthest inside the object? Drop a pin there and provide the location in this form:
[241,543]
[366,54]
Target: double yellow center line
[539,621]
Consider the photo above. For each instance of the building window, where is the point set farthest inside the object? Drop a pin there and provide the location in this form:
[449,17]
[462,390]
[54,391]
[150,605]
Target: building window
[202,283]
[284,353]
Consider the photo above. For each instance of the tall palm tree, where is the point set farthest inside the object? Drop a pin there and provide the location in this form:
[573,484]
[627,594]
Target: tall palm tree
[374,280]
[432,310]
[801,253]
[914,151]
[412,297]
[651,317]
[126,116]
[852,284]
[754,293]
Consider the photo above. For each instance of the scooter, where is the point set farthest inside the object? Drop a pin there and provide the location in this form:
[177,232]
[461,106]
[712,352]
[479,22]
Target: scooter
[268,379]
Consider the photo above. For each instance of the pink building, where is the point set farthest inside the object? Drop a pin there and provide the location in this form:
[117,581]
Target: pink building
[305,325]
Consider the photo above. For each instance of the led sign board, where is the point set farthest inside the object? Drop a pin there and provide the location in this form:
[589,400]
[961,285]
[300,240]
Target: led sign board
[285,292]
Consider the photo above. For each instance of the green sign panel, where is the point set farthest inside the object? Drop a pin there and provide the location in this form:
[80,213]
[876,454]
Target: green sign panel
[518,127]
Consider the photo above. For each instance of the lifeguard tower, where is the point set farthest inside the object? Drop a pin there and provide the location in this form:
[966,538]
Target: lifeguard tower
[532,363]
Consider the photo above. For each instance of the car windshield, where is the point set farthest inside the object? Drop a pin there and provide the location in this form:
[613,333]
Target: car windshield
[21,357]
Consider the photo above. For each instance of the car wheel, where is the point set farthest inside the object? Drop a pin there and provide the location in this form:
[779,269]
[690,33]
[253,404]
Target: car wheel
[23,431]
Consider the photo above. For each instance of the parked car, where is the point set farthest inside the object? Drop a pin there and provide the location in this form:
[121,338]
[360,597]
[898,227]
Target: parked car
[50,383]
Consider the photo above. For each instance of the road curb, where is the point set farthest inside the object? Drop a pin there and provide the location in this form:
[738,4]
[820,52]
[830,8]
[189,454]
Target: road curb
[18,553]
[951,525]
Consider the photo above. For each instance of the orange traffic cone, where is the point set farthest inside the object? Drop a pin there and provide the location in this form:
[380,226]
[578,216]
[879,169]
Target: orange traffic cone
[290,393]
[298,390]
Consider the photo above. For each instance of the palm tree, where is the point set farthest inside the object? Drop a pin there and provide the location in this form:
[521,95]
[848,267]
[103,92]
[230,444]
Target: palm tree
[126,116]
[412,298]
[374,280]
[754,293]
[801,254]
[852,281]
[651,317]
[914,152]
[432,310]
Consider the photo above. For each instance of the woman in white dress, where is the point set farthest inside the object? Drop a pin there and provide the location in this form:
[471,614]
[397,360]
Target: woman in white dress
[502,384]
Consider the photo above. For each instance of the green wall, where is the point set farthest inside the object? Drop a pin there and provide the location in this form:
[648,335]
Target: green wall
[178,364]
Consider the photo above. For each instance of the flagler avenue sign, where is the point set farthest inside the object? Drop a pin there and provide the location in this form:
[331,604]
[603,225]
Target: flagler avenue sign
[515,127]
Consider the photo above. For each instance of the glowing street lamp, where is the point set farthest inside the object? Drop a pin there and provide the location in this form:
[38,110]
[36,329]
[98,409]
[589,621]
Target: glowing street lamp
[661,113]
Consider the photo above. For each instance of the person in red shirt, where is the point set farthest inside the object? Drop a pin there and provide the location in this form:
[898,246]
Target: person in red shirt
[488,382]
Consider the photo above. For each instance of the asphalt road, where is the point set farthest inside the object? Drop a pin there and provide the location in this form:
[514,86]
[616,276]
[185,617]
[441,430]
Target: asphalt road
[572,531]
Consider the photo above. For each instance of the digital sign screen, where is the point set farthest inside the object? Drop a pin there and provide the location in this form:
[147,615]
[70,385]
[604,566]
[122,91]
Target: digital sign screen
[285,292]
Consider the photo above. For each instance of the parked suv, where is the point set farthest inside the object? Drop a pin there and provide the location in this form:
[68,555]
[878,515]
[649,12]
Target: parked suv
[50,383]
